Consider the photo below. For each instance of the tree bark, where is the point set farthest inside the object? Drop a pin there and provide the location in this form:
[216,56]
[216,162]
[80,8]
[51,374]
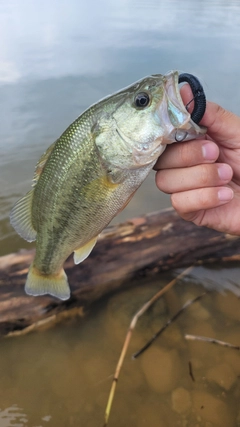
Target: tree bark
[140,247]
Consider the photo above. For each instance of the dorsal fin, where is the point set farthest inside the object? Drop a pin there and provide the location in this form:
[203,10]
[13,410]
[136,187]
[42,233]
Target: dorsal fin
[41,163]
[21,217]
[21,213]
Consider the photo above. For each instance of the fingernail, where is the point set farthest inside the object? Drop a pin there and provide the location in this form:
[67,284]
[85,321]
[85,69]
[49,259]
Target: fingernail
[225,194]
[224,172]
[209,151]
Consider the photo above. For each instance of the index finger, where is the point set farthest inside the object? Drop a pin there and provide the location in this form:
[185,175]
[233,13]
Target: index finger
[189,153]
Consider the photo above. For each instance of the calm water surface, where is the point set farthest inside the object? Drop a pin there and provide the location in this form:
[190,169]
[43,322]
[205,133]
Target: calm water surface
[57,58]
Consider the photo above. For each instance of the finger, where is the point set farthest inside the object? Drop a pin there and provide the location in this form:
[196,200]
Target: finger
[188,153]
[190,204]
[223,125]
[201,176]
[187,96]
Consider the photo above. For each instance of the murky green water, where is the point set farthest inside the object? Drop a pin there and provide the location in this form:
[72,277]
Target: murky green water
[62,377]
[57,58]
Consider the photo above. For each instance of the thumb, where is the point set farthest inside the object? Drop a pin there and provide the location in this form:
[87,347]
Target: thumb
[222,125]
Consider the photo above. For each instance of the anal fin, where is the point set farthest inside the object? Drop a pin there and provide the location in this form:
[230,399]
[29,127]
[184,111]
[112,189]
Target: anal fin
[82,253]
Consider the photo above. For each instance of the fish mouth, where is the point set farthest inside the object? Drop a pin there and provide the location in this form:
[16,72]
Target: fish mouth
[180,125]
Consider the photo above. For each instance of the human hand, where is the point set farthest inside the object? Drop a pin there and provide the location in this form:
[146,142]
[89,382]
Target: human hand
[203,176]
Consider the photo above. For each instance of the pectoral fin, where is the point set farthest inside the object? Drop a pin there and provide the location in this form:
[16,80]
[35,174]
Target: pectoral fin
[82,253]
[21,217]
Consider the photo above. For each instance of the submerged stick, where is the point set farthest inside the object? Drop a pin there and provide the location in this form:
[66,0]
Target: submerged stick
[190,370]
[134,320]
[168,323]
[211,340]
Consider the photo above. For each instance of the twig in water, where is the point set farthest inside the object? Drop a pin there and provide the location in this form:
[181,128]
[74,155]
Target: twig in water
[211,340]
[186,305]
[190,370]
[133,323]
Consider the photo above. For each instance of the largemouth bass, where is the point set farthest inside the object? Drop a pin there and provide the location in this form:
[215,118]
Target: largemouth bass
[91,172]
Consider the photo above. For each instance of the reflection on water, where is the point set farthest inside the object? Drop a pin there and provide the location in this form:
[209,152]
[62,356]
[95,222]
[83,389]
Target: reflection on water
[62,376]
[58,58]
[14,416]
[9,415]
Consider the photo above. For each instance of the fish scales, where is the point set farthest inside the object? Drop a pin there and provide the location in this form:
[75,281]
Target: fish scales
[61,209]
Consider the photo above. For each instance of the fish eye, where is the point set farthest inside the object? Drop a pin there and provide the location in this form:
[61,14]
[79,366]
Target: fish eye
[142,100]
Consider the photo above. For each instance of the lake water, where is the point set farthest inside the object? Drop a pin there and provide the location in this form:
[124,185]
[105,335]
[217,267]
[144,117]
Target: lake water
[57,58]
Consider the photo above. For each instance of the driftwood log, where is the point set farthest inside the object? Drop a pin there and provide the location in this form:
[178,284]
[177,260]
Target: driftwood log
[139,247]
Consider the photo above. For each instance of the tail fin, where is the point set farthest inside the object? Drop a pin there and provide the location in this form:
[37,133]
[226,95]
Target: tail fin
[39,284]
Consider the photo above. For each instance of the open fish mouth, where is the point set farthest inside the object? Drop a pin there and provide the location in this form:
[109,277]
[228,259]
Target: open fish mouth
[199,97]
[179,125]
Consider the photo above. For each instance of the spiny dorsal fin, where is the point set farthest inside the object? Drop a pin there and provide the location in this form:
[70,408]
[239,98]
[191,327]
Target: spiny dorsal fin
[21,217]
[41,163]
[82,253]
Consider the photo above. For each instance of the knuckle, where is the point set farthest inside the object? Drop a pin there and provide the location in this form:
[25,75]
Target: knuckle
[219,118]
[185,154]
[173,201]
[184,210]
[205,198]
[198,218]
[205,175]
[161,180]
[177,204]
